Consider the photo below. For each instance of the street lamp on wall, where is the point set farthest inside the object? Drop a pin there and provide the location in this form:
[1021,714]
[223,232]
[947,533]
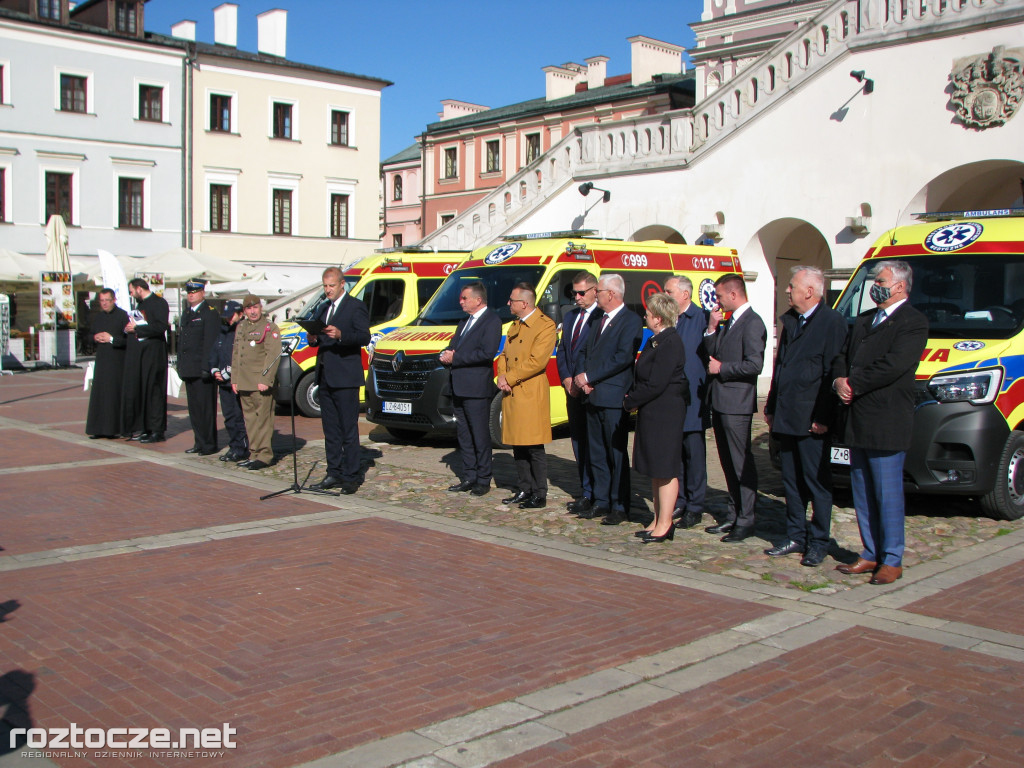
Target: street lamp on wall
[586,186]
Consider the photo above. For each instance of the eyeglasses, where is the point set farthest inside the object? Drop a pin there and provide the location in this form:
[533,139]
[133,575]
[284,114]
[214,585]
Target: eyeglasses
[521,301]
[584,293]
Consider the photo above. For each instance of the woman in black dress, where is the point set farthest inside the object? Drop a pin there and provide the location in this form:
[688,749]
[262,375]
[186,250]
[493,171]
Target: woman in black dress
[657,395]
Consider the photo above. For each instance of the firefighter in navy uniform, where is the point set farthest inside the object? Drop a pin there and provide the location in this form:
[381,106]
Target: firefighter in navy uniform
[220,367]
[257,353]
[197,333]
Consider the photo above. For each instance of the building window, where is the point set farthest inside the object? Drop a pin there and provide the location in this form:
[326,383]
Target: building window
[3,194]
[532,147]
[58,196]
[339,215]
[339,128]
[129,204]
[72,93]
[282,121]
[49,9]
[451,163]
[151,103]
[396,240]
[2,84]
[220,113]
[124,17]
[220,207]
[397,184]
[446,217]
[492,160]
[282,211]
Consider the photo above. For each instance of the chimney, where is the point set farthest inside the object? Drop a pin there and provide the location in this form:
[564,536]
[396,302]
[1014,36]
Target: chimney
[184,30]
[450,108]
[225,25]
[597,71]
[272,32]
[652,57]
[560,82]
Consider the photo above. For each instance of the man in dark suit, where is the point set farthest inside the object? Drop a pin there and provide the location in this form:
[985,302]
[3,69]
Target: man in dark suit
[470,356]
[605,375]
[693,471]
[735,351]
[339,375]
[875,378]
[800,412]
[200,327]
[577,326]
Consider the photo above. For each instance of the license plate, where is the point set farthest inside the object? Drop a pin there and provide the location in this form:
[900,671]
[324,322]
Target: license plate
[841,456]
[397,408]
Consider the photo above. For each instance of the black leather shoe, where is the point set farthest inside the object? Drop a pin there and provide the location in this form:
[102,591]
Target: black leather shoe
[789,548]
[480,489]
[580,505]
[153,437]
[462,487]
[614,518]
[815,556]
[257,464]
[593,512]
[738,534]
[348,488]
[138,436]
[230,456]
[689,519]
[720,528]
[329,481]
[193,449]
[517,497]
[534,502]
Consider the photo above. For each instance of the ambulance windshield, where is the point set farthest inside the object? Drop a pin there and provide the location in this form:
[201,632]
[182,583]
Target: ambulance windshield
[444,308]
[963,296]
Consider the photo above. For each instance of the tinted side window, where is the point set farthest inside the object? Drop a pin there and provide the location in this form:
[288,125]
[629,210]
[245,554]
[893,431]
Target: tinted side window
[383,298]
[557,298]
[427,287]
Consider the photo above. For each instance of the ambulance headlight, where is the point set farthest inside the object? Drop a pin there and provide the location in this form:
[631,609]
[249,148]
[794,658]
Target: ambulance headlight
[976,387]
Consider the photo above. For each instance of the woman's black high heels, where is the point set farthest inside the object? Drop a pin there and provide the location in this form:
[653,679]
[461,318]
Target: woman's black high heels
[649,539]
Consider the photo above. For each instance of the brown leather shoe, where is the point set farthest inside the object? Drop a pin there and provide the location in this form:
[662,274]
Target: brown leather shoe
[887,574]
[861,566]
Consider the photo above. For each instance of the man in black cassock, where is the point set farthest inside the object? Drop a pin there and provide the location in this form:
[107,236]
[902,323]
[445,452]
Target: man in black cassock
[104,419]
[145,365]
[198,332]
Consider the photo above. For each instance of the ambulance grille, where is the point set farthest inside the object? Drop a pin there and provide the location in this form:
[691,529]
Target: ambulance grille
[409,381]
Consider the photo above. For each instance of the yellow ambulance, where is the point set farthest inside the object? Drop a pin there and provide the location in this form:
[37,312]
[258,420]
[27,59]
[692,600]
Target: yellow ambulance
[968,280]
[394,283]
[407,387]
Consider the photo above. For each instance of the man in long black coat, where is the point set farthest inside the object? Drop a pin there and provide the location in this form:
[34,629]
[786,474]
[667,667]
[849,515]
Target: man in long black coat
[200,327]
[104,419]
[145,365]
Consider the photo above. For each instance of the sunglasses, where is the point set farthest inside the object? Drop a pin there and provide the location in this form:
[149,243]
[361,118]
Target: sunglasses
[584,293]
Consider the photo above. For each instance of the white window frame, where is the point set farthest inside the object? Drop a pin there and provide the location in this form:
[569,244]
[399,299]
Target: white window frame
[342,187]
[444,154]
[129,171]
[351,124]
[165,106]
[233,95]
[5,72]
[8,169]
[272,100]
[483,157]
[76,192]
[288,181]
[226,177]
[90,89]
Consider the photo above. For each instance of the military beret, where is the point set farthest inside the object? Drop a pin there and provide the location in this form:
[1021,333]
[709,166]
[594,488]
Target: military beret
[251,300]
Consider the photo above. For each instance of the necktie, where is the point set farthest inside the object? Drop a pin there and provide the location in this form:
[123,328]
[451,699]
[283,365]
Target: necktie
[878,318]
[600,328]
[576,330]
[330,313]
[465,328]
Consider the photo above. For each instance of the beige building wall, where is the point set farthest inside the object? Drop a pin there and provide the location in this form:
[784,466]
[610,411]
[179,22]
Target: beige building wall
[253,163]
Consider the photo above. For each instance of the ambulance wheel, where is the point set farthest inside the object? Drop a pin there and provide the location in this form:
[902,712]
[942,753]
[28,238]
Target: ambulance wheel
[408,435]
[1006,500]
[495,421]
[307,397]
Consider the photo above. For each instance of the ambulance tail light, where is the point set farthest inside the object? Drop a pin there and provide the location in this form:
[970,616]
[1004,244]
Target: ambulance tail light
[976,387]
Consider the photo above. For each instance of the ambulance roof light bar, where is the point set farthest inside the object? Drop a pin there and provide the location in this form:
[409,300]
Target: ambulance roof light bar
[417,249]
[994,213]
[553,235]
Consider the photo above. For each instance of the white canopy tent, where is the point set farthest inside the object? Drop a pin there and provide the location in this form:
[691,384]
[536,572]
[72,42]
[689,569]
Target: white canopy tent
[180,264]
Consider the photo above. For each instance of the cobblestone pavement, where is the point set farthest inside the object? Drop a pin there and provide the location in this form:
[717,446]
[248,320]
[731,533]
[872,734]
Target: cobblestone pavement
[408,626]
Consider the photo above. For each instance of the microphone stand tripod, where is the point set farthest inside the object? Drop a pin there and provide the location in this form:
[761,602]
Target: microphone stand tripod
[295,487]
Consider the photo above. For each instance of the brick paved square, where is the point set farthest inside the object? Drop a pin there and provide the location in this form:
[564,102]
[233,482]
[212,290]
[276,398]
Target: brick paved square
[21,448]
[858,698]
[313,641]
[995,601]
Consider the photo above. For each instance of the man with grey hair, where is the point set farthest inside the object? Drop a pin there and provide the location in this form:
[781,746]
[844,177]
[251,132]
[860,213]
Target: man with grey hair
[874,377]
[606,374]
[693,474]
[800,412]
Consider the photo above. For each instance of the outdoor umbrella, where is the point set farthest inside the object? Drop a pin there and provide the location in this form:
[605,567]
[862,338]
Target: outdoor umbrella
[57,257]
[180,264]
[18,268]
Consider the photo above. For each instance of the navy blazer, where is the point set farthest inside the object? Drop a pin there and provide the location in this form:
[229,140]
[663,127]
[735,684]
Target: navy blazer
[565,357]
[740,349]
[801,391]
[691,326]
[608,357]
[881,363]
[339,362]
[472,369]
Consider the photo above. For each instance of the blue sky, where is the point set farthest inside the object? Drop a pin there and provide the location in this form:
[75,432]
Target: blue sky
[481,52]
